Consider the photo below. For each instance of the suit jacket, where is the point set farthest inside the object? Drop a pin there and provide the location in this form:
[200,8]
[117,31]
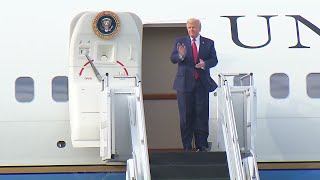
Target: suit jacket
[184,80]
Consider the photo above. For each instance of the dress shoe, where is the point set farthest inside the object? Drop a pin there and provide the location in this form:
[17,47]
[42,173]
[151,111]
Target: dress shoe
[202,149]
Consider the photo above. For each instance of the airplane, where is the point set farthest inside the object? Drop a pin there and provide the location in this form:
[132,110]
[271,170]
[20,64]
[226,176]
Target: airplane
[275,41]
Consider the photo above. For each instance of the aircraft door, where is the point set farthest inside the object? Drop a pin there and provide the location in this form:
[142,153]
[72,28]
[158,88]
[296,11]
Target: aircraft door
[105,49]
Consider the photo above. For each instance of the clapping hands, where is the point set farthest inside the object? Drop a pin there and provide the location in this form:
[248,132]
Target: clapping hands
[201,64]
[182,50]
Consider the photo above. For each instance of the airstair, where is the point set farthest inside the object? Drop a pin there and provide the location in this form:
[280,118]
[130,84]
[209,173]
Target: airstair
[107,112]
[236,158]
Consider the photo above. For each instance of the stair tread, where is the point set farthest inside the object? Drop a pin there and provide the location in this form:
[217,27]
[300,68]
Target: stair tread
[189,166]
[187,158]
[189,172]
[191,179]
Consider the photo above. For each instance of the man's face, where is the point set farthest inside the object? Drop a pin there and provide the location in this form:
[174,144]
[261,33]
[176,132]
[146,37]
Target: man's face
[193,29]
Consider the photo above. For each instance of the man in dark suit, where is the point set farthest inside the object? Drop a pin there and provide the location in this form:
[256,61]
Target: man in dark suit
[195,55]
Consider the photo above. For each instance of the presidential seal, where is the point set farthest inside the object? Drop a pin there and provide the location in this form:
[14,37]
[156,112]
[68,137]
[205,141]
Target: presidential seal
[106,24]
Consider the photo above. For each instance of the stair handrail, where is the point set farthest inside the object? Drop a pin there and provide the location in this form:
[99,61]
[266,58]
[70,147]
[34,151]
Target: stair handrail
[236,168]
[249,166]
[251,124]
[255,174]
[140,155]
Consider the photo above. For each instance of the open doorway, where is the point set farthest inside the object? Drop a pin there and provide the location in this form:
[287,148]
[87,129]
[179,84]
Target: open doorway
[158,73]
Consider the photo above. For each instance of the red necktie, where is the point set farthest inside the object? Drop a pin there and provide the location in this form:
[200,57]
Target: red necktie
[195,56]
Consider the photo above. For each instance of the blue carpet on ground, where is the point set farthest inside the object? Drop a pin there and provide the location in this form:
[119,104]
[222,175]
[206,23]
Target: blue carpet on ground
[312,174]
[65,176]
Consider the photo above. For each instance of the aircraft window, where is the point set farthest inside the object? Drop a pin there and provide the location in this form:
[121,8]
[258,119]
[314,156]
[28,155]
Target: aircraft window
[245,80]
[313,85]
[279,85]
[60,89]
[24,89]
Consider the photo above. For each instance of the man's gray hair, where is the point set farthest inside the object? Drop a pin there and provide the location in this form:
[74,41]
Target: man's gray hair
[194,20]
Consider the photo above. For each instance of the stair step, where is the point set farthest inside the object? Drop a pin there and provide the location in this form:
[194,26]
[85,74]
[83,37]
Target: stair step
[193,179]
[188,158]
[196,179]
[189,166]
[190,172]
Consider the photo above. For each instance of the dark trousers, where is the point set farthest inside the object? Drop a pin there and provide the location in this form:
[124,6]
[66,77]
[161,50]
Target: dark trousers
[194,116]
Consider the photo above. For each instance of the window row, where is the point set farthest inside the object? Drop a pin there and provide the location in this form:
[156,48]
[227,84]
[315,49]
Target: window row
[24,89]
[279,85]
